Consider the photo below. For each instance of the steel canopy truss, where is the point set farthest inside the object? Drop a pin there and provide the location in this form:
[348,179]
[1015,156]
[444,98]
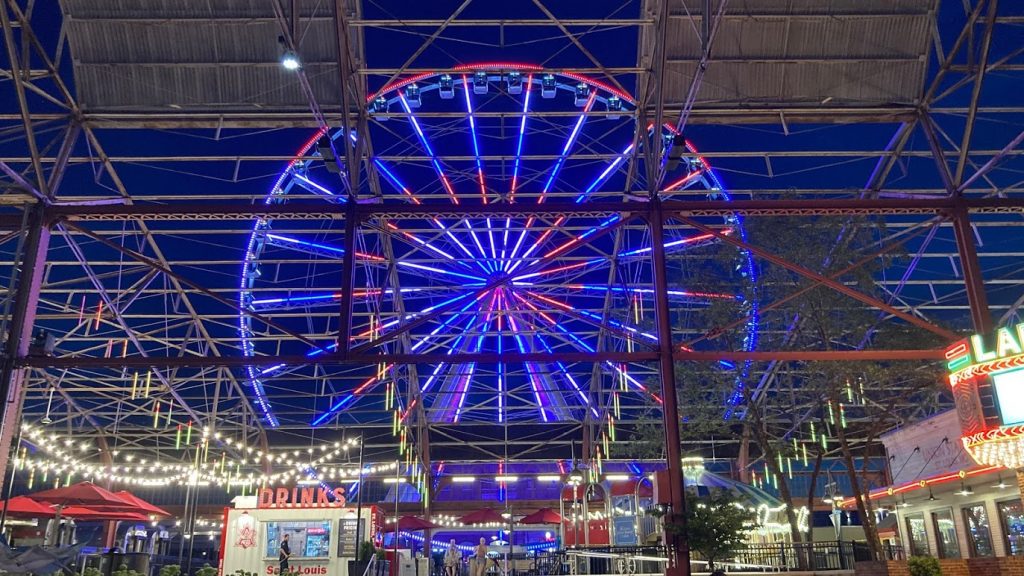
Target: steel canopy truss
[150,204]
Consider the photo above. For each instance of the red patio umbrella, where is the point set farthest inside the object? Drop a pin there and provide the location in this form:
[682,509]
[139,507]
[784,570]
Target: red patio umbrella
[25,506]
[410,524]
[86,494]
[542,516]
[484,516]
[83,494]
[143,506]
[84,513]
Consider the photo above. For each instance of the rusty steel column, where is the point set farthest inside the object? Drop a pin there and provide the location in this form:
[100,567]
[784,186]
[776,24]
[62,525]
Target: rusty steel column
[23,317]
[348,279]
[428,485]
[676,545]
[974,281]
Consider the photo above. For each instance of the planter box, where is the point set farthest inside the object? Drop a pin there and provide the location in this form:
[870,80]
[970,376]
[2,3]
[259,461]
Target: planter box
[1002,566]
[881,568]
[954,567]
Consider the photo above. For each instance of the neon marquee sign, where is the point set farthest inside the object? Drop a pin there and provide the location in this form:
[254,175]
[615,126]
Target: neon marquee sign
[986,374]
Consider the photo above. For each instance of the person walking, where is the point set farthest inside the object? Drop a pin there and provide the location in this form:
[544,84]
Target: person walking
[283,555]
[480,558]
[452,559]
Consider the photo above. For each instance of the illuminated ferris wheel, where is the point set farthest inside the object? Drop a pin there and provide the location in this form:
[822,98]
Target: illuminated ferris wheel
[548,283]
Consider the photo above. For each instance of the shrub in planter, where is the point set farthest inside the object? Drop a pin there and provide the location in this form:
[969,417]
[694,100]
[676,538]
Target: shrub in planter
[206,570]
[923,566]
[168,570]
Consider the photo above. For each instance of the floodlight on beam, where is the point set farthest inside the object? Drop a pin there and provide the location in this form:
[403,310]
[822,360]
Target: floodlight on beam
[289,59]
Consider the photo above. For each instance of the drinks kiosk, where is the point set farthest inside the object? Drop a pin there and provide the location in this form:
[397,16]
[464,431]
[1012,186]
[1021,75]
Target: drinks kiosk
[323,532]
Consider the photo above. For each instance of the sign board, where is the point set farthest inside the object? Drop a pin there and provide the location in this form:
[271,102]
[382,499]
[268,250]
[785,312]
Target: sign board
[301,497]
[348,537]
[986,375]
[625,531]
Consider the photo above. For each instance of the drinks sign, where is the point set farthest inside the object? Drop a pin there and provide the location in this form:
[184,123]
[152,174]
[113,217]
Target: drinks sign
[301,497]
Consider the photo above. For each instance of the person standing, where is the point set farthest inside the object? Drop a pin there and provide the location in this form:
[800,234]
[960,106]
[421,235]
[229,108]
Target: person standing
[480,558]
[284,554]
[452,559]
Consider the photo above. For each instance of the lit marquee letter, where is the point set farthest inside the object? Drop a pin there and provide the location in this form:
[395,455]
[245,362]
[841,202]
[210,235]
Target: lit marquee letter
[1006,344]
[980,354]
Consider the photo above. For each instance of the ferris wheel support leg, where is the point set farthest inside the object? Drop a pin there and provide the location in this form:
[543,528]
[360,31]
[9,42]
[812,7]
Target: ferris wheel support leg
[675,544]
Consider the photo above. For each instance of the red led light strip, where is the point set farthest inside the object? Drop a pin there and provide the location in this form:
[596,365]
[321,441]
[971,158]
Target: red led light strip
[399,84]
[910,486]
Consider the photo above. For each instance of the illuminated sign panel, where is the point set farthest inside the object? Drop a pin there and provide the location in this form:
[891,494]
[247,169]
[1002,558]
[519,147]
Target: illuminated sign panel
[986,373]
[1009,388]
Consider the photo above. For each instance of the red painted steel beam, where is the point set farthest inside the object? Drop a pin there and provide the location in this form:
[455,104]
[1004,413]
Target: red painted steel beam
[190,210]
[974,281]
[678,355]
[810,355]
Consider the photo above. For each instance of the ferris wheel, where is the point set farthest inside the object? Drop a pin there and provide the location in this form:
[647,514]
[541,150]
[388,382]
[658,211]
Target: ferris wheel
[491,285]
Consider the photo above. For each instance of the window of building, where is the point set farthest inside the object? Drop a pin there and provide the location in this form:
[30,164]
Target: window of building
[945,533]
[305,539]
[1011,514]
[917,535]
[979,537]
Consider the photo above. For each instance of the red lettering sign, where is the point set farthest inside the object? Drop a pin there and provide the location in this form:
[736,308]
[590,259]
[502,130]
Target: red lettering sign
[306,497]
[317,570]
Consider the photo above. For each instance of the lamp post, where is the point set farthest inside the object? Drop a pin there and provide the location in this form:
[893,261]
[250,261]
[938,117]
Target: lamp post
[359,502]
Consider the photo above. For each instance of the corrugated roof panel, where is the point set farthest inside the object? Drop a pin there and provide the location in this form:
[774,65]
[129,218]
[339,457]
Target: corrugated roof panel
[790,52]
[772,83]
[797,7]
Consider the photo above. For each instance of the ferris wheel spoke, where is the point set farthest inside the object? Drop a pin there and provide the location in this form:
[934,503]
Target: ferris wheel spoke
[531,376]
[351,398]
[479,172]
[569,336]
[308,184]
[448,372]
[442,176]
[311,300]
[605,175]
[445,182]
[683,183]
[316,248]
[426,339]
[559,163]
[391,177]
[566,374]
[519,142]
[621,328]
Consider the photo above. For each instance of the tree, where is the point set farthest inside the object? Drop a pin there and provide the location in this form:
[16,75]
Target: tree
[716,526]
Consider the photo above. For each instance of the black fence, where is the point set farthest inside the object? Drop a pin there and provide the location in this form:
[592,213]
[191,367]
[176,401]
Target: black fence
[828,555]
[818,556]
